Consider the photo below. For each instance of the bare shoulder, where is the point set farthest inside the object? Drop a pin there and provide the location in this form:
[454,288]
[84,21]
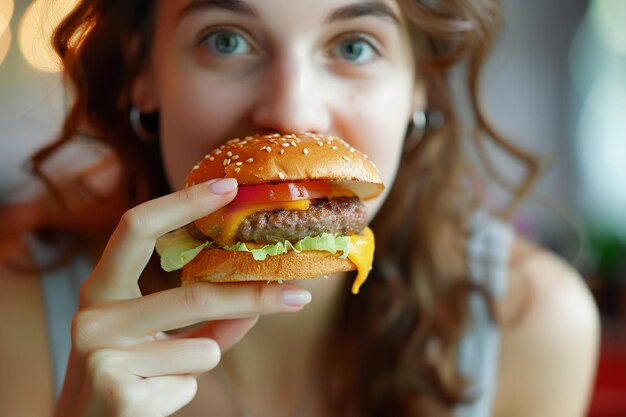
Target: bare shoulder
[23,346]
[550,337]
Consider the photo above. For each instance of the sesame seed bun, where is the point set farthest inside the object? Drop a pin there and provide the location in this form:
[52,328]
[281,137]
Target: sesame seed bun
[263,159]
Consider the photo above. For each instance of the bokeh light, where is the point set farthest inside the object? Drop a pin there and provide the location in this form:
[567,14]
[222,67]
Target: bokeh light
[608,18]
[35,31]
[6,12]
[5,44]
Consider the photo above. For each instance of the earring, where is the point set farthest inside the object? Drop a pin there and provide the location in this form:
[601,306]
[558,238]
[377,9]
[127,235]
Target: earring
[416,130]
[138,127]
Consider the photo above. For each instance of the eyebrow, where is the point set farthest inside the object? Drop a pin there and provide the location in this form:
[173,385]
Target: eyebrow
[367,8]
[236,6]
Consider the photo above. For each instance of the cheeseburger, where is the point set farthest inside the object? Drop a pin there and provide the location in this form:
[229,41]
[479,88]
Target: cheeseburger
[298,213]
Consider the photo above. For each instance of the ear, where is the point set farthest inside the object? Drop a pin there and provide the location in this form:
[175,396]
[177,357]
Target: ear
[143,91]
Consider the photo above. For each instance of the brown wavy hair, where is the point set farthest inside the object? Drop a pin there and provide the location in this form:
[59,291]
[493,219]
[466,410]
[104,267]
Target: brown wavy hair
[393,347]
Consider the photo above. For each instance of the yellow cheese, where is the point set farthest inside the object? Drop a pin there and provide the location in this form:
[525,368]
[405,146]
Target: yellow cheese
[229,218]
[362,255]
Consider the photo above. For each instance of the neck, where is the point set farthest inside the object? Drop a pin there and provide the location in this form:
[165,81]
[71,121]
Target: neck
[284,350]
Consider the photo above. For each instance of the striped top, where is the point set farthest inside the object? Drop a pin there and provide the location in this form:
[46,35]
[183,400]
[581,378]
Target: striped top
[487,252]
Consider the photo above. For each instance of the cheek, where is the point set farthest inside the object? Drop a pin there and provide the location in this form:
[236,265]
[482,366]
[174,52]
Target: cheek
[379,129]
[195,118]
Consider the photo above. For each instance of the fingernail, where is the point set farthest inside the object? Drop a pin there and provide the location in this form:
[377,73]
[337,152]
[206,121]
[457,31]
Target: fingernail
[295,298]
[223,186]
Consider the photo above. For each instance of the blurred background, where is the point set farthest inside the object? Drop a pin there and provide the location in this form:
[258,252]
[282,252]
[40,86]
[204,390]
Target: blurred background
[555,85]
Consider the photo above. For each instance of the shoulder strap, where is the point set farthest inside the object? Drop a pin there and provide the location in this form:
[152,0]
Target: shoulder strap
[488,251]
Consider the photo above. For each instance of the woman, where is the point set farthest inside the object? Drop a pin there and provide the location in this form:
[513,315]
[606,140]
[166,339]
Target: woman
[419,340]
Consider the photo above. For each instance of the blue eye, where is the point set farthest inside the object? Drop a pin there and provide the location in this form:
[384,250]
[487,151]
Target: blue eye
[227,42]
[356,50]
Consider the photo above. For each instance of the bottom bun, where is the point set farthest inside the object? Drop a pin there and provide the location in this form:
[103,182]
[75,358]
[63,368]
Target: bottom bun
[219,265]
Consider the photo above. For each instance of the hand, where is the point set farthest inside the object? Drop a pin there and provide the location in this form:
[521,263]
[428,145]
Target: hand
[122,362]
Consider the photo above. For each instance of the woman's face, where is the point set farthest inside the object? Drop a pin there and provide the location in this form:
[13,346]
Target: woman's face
[222,69]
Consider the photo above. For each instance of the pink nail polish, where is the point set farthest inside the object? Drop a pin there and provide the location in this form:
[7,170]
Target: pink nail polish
[295,298]
[223,186]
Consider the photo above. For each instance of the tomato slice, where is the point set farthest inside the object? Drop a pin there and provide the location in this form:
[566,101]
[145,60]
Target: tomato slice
[282,192]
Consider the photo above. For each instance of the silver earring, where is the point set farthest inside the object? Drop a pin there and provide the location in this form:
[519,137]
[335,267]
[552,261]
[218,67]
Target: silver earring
[416,131]
[137,125]
[419,123]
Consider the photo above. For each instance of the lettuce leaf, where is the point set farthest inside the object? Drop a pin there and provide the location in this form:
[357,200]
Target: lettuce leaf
[178,248]
[326,242]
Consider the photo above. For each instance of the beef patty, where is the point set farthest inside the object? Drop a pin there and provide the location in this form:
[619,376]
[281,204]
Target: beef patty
[339,216]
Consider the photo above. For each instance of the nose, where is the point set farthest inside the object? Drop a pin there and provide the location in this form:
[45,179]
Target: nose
[292,99]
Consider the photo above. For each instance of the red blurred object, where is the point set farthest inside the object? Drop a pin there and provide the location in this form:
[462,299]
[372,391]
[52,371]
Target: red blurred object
[609,396]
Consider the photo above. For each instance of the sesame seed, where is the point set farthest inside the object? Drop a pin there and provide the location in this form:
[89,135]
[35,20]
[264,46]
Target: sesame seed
[334,148]
[249,160]
[281,175]
[218,151]
[268,149]
[237,169]
[351,149]
[284,145]
[320,143]
[305,151]
[232,141]
[235,157]
[239,164]
[196,167]
[229,154]
[328,142]
[293,144]
[211,158]
[366,157]
[282,151]
[244,142]
[226,162]
[345,158]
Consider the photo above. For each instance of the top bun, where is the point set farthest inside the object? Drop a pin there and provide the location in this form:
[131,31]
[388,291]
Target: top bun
[275,158]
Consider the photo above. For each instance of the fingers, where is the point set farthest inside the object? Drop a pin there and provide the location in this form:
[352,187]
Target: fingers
[172,357]
[168,394]
[184,306]
[120,391]
[108,325]
[226,333]
[132,243]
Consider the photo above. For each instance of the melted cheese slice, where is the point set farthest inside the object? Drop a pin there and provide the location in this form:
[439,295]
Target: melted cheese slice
[362,255]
